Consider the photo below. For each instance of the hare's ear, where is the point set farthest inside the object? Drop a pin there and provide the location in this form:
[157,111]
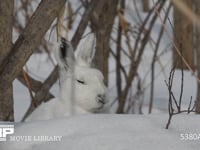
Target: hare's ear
[65,55]
[86,52]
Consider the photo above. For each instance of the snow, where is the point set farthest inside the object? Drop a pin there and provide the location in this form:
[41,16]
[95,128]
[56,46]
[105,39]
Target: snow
[106,132]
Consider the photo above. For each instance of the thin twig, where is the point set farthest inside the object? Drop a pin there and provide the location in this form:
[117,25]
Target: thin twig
[154,60]
[175,111]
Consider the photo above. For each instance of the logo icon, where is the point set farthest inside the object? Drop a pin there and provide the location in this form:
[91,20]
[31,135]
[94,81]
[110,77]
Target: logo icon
[5,130]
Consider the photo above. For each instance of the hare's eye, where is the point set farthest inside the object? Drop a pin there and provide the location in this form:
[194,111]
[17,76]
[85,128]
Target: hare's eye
[80,81]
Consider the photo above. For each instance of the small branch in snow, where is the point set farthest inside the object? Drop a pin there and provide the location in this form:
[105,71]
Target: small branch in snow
[173,101]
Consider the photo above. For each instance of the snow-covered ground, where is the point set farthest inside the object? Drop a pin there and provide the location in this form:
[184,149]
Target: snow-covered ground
[107,132]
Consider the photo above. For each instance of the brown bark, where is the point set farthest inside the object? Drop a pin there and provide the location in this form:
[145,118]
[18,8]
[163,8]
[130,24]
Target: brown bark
[197,10]
[183,37]
[145,5]
[103,31]
[42,95]
[27,43]
[35,85]
[118,58]
[6,17]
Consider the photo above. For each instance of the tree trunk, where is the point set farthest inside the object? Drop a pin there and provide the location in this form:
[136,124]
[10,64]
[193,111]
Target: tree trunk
[6,17]
[103,31]
[183,37]
[25,45]
[145,4]
[197,41]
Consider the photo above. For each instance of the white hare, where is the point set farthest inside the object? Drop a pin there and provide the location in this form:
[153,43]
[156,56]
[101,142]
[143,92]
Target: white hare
[82,87]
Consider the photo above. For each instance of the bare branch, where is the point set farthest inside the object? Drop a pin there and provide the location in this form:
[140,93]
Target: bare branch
[40,95]
[175,111]
[6,95]
[155,58]
[28,41]
[137,58]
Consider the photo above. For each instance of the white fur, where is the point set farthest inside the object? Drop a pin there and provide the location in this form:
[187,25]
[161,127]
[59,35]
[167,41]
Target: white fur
[75,97]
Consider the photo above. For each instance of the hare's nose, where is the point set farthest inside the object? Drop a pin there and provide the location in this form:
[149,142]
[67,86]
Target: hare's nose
[101,98]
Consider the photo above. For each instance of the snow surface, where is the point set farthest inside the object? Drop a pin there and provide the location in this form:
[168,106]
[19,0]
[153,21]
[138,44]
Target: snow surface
[107,132]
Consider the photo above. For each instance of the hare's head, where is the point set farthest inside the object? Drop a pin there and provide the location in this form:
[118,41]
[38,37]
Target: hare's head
[87,82]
